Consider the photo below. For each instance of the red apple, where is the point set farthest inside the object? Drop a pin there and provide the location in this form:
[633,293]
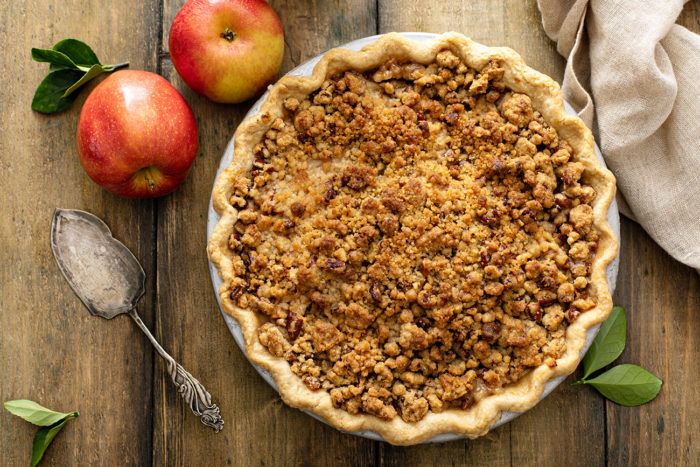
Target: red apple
[137,137]
[227,50]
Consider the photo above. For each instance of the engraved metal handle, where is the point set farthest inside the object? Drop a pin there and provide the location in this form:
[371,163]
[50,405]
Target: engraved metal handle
[190,389]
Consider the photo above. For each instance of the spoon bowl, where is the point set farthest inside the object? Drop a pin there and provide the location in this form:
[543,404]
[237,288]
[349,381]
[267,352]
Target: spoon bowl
[100,269]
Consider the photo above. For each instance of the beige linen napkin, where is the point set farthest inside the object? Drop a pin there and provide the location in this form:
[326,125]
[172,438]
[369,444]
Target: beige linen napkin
[633,75]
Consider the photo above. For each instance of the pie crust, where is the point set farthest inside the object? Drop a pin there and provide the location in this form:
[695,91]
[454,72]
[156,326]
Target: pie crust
[547,99]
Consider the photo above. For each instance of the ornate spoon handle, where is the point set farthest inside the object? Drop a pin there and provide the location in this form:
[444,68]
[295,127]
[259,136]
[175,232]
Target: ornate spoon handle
[190,389]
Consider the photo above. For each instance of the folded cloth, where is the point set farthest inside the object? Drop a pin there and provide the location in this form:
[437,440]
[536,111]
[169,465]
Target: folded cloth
[632,74]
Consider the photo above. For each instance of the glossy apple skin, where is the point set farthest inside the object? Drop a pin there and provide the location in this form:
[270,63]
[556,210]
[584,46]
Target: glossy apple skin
[137,137]
[222,70]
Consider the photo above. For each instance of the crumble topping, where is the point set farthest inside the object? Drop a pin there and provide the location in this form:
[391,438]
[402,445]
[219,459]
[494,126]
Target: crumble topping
[416,237]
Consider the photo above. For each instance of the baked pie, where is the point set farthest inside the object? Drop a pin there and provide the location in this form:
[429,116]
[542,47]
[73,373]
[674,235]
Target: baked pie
[414,238]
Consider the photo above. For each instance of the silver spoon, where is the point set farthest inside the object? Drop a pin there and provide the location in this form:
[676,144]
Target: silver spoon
[109,280]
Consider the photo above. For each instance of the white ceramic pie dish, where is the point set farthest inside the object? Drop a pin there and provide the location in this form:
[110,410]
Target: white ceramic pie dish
[305,69]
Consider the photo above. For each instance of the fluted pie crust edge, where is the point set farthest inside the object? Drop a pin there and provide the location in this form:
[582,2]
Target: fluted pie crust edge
[547,98]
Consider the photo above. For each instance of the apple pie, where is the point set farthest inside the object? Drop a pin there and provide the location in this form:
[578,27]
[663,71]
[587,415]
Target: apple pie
[414,238]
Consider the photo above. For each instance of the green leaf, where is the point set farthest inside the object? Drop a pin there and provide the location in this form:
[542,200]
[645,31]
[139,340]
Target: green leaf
[627,384]
[44,436]
[35,413]
[54,67]
[72,63]
[608,344]
[78,51]
[48,97]
[111,68]
[93,72]
[56,59]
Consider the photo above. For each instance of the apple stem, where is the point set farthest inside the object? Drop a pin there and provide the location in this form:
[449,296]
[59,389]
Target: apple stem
[148,175]
[228,35]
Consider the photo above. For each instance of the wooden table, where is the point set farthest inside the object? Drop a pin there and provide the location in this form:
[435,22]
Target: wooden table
[53,352]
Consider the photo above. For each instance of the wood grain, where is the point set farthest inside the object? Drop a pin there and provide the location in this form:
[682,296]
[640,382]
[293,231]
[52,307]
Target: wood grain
[662,299]
[259,428]
[51,349]
[53,352]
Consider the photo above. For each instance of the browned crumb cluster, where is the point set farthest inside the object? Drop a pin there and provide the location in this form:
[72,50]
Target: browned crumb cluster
[417,237]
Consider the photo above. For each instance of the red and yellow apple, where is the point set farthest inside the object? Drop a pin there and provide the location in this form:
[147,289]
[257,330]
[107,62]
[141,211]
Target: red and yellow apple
[137,137]
[227,50]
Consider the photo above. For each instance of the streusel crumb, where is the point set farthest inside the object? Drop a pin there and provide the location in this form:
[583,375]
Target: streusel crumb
[416,237]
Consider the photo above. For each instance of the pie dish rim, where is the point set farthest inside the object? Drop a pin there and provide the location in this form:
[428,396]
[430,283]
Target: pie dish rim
[484,416]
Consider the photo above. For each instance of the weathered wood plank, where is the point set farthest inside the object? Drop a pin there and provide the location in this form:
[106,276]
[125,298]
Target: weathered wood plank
[527,440]
[51,350]
[490,450]
[259,429]
[662,299]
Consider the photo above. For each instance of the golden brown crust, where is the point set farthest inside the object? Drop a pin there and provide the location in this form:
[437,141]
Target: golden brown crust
[546,98]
